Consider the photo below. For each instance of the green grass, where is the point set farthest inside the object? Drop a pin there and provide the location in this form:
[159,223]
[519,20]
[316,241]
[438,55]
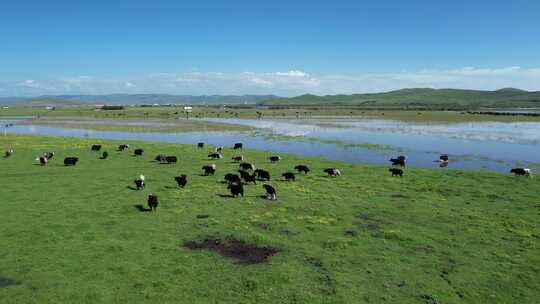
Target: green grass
[72,234]
[448,98]
[300,112]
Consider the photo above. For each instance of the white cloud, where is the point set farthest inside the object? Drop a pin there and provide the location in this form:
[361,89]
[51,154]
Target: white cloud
[293,82]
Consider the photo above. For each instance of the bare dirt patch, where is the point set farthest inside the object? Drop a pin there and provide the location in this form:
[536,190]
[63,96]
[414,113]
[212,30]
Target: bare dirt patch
[243,252]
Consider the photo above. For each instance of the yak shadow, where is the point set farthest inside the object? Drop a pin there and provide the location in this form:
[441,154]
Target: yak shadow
[141,208]
[132,188]
[225,195]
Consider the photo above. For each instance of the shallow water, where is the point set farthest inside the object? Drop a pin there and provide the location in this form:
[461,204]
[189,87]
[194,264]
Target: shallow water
[490,145]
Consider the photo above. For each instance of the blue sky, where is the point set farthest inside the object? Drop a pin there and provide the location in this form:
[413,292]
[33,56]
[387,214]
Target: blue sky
[280,47]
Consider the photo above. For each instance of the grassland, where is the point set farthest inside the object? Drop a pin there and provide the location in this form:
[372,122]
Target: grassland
[74,235]
[422,97]
[307,113]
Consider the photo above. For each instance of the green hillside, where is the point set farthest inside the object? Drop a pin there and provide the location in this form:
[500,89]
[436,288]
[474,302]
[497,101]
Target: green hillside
[456,98]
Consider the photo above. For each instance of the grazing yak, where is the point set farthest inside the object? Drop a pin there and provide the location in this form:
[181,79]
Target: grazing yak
[274,158]
[96,147]
[250,178]
[48,155]
[171,159]
[232,178]
[236,189]
[214,155]
[262,174]
[43,160]
[8,153]
[247,166]
[332,172]
[270,192]
[399,161]
[209,169]
[289,176]
[160,158]
[238,158]
[396,172]
[200,145]
[138,152]
[521,171]
[302,169]
[70,161]
[123,147]
[139,182]
[243,173]
[219,149]
[181,180]
[104,155]
[152,202]
[238,146]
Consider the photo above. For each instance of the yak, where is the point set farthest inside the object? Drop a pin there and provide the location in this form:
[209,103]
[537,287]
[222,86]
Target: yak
[209,169]
[138,152]
[238,158]
[215,155]
[70,161]
[153,202]
[236,189]
[262,174]
[123,147]
[200,145]
[274,158]
[521,171]
[270,192]
[289,176]
[238,146]
[139,182]
[232,178]
[247,166]
[181,180]
[396,172]
[96,147]
[332,172]
[302,168]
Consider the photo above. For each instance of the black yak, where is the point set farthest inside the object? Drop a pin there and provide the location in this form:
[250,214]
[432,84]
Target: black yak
[396,172]
[274,158]
[250,178]
[123,147]
[200,145]
[48,155]
[153,202]
[209,169]
[270,192]
[96,147]
[236,189]
[521,171]
[444,158]
[238,158]
[8,153]
[171,159]
[43,160]
[181,180]
[399,161]
[247,166]
[160,157]
[104,155]
[214,155]
[302,168]
[262,174]
[243,173]
[138,152]
[139,182]
[238,146]
[289,176]
[332,172]
[70,161]
[232,178]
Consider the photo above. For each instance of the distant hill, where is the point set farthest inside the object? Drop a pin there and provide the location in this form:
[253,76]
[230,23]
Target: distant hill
[436,98]
[135,99]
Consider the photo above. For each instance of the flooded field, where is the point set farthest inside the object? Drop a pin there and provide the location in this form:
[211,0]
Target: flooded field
[473,145]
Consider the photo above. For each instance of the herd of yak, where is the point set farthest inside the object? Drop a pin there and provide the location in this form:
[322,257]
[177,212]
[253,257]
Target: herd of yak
[247,172]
